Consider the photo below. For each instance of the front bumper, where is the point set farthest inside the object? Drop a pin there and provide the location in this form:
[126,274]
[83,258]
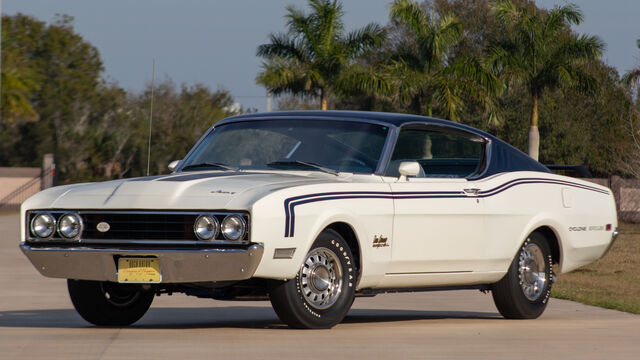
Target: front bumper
[176,266]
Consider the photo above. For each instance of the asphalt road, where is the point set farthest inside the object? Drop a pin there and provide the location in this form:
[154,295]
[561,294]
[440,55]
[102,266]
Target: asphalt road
[37,321]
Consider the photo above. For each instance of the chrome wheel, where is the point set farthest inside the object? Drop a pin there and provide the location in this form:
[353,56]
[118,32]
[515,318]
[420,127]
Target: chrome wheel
[320,278]
[532,271]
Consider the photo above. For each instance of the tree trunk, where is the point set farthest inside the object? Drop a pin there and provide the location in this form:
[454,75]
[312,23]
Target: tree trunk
[323,99]
[534,135]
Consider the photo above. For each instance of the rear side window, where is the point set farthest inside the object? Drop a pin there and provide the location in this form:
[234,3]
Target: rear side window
[441,154]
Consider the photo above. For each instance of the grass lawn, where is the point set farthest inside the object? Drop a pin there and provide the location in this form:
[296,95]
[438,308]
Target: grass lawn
[612,282]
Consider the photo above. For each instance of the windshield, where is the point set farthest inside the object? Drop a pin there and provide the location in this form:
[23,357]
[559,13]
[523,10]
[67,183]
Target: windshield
[291,145]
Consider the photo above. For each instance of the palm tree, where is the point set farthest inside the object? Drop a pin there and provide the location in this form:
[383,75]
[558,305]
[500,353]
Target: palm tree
[632,77]
[312,58]
[542,54]
[425,73]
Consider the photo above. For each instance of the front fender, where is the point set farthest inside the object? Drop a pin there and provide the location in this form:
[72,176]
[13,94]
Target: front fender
[271,227]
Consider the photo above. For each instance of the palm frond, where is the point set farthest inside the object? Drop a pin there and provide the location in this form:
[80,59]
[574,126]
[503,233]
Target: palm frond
[448,33]
[560,17]
[285,76]
[631,78]
[361,80]
[411,14]
[282,46]
[447,94]
[365,38]
[507,12]
[297,21]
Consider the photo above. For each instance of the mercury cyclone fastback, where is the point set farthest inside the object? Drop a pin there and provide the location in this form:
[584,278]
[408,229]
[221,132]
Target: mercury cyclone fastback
[311,209]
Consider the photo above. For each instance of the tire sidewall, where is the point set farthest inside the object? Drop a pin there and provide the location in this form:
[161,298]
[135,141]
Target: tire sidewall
[307,316]
[88,298]
[531,308]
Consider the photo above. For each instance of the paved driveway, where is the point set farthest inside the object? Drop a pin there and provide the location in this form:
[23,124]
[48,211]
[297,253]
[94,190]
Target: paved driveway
[37,321]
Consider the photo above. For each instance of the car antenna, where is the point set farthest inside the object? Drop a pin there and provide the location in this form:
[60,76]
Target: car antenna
[153,76]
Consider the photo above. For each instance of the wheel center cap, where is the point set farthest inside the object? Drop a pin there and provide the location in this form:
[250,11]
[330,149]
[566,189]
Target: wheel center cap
[320,278]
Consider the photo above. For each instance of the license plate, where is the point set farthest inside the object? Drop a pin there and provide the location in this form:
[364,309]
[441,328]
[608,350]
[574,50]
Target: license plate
[139,270]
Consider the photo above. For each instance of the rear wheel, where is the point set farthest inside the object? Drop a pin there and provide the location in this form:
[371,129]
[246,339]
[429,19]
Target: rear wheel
[323,290]
[109,304]
[524,292]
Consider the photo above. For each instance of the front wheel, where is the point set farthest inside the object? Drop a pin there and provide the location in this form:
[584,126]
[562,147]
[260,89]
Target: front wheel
[524,292]
[109,304]
[322,292]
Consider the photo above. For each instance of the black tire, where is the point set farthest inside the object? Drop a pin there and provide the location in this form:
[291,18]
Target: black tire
[109,304]
[300,303]
[523,294]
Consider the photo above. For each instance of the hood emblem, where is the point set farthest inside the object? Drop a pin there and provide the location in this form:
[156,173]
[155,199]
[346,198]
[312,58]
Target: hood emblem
[103,226]
[223,192]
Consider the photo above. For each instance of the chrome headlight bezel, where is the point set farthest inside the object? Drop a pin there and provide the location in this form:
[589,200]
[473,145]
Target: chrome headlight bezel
[52,228]
[212,222]
[77,229]
[240,221]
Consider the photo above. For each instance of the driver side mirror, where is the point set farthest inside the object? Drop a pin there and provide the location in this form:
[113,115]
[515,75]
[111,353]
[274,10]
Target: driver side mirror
[173,165]
[408,168]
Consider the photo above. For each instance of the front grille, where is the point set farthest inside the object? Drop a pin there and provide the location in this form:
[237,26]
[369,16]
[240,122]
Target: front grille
[139,226]
[146,226]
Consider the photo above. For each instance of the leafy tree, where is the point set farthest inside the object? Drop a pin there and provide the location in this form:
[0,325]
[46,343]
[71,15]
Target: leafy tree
[632,78]
[425,71]
[542,54]
[314,56]
[61,104]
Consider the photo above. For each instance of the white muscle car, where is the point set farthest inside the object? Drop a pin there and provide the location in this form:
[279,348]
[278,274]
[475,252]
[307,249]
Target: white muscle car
[310,209]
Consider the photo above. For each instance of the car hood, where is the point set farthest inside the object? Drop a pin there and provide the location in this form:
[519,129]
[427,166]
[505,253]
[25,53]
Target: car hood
[192,190]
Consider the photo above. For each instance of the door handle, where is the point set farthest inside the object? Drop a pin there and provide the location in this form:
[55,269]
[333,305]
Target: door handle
[472,191]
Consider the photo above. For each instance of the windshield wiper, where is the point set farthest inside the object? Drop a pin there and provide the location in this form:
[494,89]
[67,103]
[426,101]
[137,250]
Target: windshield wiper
[303,163]
[210,164]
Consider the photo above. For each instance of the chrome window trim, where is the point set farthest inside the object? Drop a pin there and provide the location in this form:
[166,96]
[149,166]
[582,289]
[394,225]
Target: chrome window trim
[453,129]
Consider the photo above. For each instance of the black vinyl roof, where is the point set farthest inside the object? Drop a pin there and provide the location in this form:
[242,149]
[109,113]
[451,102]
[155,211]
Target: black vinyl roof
[502,157]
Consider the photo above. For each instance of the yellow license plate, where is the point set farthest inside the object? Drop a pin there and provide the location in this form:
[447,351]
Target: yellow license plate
[139,270]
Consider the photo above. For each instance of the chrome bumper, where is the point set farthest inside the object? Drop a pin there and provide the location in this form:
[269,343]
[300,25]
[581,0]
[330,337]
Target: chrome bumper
[176,266]
[614,235]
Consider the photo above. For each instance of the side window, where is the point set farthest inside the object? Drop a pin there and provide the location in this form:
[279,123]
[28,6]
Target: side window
[440,154]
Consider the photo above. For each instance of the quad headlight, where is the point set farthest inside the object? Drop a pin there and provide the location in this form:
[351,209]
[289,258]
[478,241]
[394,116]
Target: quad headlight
[206,227]
[43,225]
[69,225]
[233,227]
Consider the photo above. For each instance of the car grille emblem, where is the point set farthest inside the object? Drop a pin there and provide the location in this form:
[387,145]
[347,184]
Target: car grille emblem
[103,226]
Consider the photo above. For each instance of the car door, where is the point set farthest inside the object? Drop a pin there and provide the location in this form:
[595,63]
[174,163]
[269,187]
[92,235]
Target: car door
[439,222]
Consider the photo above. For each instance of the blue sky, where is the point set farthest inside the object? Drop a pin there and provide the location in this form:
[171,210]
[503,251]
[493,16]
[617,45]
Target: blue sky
[214,42]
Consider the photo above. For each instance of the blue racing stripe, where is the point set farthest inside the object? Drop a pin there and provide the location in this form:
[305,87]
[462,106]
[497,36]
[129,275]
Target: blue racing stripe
[292,202]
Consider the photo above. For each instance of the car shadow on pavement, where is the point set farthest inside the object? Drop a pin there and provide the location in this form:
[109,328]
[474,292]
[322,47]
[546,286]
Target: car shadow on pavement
[249,317]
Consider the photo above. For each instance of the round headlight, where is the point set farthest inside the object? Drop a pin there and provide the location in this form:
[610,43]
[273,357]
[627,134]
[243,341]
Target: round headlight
[206,227]
[233,227]
[43,225]
[69,226]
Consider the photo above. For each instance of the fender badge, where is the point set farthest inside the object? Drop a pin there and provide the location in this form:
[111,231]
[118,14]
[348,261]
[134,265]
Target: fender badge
[379,241]
[103,226]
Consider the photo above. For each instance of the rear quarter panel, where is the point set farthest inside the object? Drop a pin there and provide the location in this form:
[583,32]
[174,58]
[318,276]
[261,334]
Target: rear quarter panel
[577,211]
